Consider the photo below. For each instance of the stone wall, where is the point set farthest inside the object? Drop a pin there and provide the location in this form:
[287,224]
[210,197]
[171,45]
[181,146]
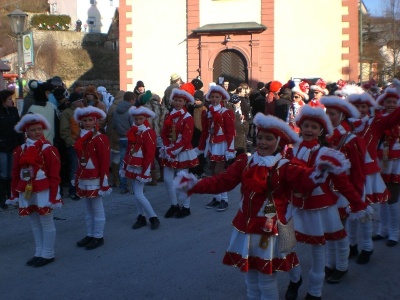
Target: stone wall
[111,86]
[70,39]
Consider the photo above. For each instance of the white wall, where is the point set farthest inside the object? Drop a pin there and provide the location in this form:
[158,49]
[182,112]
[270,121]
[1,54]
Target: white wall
[159,45]
[308,40]
[229,11]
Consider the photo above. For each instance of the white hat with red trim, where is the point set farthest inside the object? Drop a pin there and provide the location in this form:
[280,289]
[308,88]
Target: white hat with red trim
[315,114]
[89,111]
[277,127]
[363,98]
[302,93]
[178,93]
[388,93]
[320,85]
[217,89]
[141,110]
[29,120]
[341,105]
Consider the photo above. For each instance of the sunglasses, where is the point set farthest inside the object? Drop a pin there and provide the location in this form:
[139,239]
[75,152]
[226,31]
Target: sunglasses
[296,97]
[316,92]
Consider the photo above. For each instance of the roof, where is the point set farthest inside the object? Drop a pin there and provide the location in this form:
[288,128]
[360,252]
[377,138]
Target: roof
[230,28]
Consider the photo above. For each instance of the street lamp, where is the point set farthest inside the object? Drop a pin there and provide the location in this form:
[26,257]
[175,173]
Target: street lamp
[18,20]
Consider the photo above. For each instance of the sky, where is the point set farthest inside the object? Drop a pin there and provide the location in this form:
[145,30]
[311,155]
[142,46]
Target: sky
[374,7]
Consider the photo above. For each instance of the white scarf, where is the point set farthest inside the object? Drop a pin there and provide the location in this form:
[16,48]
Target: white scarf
[265,161]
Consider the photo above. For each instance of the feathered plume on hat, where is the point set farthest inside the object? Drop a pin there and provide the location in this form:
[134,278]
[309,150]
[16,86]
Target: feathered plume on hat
[349,89]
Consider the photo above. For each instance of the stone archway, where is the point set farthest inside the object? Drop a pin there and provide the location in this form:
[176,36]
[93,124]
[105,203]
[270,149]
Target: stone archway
[232,65]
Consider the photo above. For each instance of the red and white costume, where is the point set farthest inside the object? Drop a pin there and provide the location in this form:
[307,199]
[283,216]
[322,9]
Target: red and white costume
[255,173]
[316,217]
[177,152]
[141,152]
[93,151]
[142,143]
[371,129]
[218,129]
[91,179]
[389,162]
[35,184]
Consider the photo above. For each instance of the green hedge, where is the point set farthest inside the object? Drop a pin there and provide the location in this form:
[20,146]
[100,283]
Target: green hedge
[51,22]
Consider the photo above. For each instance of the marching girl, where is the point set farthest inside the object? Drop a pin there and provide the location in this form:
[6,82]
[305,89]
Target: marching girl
[389,162]
[217,140]
[353,147]
[266,182]
[371,129]
[91,180]
[316,218]
[177,152]
[142,142]
[35,185]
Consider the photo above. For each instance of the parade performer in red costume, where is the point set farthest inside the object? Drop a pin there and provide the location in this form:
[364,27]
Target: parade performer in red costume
[93,151]
[267,180]
[389,162]
[316,218]
[177,152]
[35,185]
[142,143]
[217,140]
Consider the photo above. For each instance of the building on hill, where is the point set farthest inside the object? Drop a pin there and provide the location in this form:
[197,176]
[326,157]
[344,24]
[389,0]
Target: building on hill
[243,40]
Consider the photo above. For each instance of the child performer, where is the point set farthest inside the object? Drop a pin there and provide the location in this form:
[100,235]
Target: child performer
[316,218]
[35,185]
[389,161]
[93,151]
[266,182]
[217,139]
[177,152]
[353,147]
[142,142]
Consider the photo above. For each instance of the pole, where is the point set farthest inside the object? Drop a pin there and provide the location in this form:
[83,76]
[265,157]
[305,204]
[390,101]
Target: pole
[19,47]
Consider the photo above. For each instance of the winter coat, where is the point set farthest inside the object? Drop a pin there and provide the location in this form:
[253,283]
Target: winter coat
[9,139]
[122,120]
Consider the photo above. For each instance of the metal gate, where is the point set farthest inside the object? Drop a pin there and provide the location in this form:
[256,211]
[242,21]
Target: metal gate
[231,65]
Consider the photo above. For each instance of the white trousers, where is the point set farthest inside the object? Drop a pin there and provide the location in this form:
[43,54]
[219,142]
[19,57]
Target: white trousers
[366,234]
[44,233]
[316,275]
[95,217]
[261,286]
[337,254]
[143,205]
[169,174]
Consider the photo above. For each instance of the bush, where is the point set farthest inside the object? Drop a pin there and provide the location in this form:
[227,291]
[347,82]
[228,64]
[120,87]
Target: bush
[51,22]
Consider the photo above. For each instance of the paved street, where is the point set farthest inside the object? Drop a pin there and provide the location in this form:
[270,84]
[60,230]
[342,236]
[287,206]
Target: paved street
[180,260]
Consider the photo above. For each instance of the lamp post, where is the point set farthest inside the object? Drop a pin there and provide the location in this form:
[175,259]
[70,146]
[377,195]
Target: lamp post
[18,20]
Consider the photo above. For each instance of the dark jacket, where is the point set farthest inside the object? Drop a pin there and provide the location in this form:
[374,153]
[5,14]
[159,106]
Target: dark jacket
[122,120]
[258,105]
[9,139]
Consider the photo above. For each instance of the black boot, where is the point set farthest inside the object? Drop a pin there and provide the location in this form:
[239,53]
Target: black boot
[293,289]
[155,223]
[3,193]
[353,250]
[140,222]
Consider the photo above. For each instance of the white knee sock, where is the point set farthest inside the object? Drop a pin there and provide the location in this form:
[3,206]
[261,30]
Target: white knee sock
[383,219]
[253,291]
[366,235]
[352,231]
[37,233]
[169,174]
[268,285]
[342,254]
[142,201]
[331,254]
[49,235]
[295,274]
[99,218]
[317,273]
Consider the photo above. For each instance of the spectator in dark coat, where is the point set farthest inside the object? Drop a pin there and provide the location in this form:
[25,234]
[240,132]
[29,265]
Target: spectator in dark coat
[9,139]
